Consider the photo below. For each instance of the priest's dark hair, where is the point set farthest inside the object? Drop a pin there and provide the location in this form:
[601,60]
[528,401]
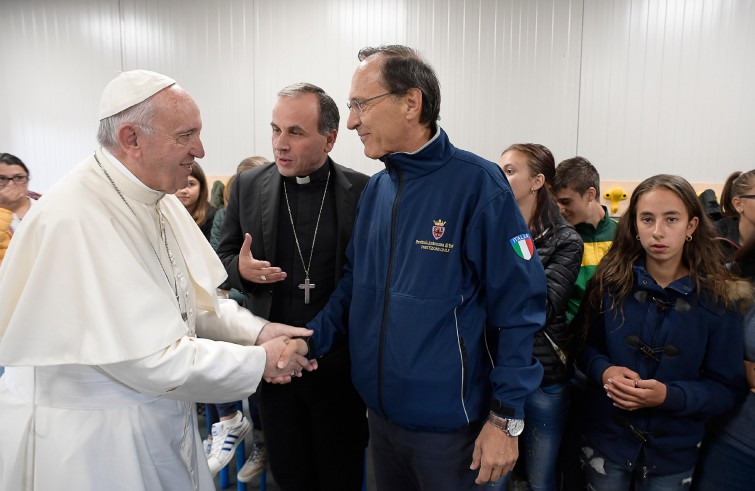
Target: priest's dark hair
[329,115]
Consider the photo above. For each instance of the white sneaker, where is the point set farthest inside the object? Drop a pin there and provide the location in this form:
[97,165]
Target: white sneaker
[255,464]
[226,436]
[207,446]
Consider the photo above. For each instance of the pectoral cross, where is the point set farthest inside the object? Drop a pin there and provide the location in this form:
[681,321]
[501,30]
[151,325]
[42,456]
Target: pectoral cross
[306,286]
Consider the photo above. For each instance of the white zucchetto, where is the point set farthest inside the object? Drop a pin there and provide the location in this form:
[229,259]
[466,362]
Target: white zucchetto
[131,88]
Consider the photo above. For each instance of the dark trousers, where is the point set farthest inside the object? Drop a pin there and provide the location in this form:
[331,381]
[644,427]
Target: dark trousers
[408,460]
[230,408]
[315,429]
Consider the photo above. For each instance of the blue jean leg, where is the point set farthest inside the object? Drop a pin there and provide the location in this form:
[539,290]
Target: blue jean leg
[605,475]
[546,410]
[723,466]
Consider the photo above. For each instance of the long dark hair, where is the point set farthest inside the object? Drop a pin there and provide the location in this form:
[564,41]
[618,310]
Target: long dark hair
[540,161]
[701,254]
[199,213]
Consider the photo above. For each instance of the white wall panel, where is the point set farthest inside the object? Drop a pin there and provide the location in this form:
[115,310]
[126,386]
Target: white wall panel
[667,87]
[637,86]
[53,56]
[509,70]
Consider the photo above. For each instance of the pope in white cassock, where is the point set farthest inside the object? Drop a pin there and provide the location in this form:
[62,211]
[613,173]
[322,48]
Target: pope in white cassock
[103,293]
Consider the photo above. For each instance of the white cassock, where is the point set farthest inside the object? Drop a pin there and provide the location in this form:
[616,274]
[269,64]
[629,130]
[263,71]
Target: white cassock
[102,368]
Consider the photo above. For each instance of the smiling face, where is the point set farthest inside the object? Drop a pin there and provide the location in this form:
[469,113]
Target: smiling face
[190,194]
[663,225]
[574,207]
[166,154]
[299,148]
[382,126]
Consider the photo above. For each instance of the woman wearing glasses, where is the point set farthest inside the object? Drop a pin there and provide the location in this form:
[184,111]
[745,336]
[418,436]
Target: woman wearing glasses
[664,343]
[15,198]
[738,209]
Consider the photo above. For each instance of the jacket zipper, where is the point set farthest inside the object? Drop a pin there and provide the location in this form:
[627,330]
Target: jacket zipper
[389,274]
[464,362]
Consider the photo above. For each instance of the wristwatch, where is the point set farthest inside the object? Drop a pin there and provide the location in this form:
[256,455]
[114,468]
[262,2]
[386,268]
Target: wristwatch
[512,427]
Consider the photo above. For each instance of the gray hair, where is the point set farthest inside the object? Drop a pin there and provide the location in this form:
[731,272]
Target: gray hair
[329,115]
[140,115]
[402,68]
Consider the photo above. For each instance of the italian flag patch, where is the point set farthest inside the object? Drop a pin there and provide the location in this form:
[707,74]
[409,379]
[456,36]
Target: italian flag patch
[523,246]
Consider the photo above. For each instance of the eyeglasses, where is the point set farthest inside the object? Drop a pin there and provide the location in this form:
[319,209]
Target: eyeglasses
[359,106]
[19,179]
[746,196]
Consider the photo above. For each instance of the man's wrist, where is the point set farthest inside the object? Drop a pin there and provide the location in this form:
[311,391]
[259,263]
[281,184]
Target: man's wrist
[511,427]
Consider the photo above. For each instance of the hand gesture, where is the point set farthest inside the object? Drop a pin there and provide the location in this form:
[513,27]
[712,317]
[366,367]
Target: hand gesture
[750,370]
[285,359]
[495,454]
[256,271]
[10,194]
[629,392]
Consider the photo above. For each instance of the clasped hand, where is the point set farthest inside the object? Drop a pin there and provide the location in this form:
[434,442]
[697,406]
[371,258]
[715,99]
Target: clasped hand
[629,392]
[286,352]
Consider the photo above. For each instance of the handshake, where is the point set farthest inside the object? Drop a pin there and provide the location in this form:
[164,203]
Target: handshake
[286,352]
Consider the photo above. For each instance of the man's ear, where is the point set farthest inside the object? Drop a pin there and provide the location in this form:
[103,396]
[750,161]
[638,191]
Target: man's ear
[591,194]
[330,140]
[413,101]
[128,140]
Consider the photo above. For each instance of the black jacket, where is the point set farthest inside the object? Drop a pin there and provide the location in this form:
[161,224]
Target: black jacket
[560,249]
[253,208]
[728,236]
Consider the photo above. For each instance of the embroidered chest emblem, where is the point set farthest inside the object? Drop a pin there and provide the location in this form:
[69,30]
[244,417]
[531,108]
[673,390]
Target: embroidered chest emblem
[523,246]
[439,228]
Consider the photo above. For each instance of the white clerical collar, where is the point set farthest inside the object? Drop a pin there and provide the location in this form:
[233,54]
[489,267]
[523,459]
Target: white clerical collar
[302,180]
[124,170]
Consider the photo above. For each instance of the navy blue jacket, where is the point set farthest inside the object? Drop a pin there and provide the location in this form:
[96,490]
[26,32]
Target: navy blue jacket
[439,252]
[701,366]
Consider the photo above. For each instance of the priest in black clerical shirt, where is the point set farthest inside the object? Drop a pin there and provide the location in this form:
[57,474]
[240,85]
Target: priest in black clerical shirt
[299,213]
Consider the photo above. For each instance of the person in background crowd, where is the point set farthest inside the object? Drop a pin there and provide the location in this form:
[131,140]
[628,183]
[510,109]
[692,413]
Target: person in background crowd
[664,345]
[576,187]
[442,291]
[727,459]
[283,243]
[738,209]
[103,291]
[194,198]
[227,415]
[15,197]
[530,170]
[577,190]
[217,223]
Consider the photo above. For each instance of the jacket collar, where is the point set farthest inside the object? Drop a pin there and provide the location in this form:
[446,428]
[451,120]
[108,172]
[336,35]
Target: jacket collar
[682,287]
[429,158]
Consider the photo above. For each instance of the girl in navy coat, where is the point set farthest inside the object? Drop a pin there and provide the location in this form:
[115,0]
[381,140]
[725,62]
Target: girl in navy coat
[663,345]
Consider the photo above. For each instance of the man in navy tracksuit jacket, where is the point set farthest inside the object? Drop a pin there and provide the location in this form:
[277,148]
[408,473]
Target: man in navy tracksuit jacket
[441,294]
